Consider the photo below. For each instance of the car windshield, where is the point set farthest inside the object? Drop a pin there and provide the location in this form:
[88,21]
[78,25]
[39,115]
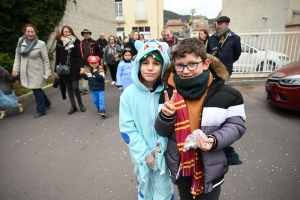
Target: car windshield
[249,48]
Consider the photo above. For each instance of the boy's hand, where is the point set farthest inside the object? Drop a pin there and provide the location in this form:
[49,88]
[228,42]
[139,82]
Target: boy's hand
[82,71]
[168,108]
[120,88]
[150,160]
[201,144]
[157,149]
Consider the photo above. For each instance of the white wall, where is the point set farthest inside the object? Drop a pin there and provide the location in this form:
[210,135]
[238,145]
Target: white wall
[246,15]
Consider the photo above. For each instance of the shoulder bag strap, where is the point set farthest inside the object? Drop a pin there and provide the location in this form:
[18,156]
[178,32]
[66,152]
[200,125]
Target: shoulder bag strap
[68,57]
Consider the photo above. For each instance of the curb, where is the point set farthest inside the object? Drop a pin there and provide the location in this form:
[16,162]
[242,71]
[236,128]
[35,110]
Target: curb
[30,94]
[246,82]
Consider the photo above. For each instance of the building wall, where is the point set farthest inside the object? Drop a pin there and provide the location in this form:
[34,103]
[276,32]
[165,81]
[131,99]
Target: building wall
[291,17]
[95,15]
[247,15]
[154,10]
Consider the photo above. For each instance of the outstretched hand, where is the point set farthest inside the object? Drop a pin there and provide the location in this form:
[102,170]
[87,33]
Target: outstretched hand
[15,74]
[168,108]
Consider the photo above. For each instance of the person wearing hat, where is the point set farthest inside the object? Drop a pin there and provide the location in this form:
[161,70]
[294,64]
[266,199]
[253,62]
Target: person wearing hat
[95,77]
[138,110]
[88,47]
[225,44]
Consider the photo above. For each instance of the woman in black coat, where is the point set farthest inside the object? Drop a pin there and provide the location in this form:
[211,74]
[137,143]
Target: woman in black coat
[69,43]
[135,35]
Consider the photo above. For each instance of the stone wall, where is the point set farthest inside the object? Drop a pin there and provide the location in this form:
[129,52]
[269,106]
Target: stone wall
[95,15]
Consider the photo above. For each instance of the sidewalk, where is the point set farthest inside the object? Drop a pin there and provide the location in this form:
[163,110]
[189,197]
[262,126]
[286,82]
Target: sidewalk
[30,94]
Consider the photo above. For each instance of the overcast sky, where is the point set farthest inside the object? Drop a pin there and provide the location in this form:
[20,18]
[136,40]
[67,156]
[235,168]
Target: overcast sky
[209,8]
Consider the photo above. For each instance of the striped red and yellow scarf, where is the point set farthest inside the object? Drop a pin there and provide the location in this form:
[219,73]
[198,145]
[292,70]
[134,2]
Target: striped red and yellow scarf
[188,119]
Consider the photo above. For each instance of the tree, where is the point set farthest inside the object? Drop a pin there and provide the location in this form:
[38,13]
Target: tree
[44,14]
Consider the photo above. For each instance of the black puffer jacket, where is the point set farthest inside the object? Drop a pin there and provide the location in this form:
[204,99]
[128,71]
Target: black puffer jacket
[75,62]
[5,78]
[223,116]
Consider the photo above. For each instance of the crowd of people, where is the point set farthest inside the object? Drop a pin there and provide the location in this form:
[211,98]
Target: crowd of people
[170,90]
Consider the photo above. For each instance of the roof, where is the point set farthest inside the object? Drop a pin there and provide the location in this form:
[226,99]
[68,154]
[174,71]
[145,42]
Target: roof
[175,22]
[202,26]
[291,25]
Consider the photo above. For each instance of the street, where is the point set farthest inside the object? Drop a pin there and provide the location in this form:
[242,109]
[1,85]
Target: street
[82,156]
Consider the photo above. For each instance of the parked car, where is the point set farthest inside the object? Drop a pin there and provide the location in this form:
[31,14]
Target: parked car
[283,87]
[252,59]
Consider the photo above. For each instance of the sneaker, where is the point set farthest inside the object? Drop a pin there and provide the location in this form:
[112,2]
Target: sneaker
[20,107]
[102,113]
[84,91]
[113,82]
[99,112]
[2,114]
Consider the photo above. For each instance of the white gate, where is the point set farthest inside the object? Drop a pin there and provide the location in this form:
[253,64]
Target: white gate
[264,52]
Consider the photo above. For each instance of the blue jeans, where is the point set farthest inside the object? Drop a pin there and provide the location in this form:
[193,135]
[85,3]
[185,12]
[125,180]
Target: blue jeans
[42,101]
[98,98]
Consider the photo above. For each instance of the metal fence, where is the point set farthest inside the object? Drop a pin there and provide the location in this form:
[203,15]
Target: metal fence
[264,52]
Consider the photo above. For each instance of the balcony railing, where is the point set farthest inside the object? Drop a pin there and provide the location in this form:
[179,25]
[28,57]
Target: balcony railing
[141,17]
[120,18]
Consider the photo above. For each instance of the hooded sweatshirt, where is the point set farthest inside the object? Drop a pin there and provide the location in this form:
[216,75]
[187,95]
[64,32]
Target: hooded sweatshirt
[138,111]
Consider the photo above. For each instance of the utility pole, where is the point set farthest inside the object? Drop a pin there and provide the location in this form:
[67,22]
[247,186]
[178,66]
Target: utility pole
[193,11]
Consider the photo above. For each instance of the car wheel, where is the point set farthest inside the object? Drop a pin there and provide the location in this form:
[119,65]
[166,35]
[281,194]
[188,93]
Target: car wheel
[270,66]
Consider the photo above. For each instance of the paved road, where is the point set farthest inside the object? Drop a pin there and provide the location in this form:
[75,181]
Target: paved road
[82,156]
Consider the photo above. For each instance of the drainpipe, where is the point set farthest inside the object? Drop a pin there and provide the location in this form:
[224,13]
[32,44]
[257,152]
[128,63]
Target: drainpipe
[158,20]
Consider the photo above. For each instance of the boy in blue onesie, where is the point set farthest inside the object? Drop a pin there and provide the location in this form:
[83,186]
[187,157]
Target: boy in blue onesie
[138,111]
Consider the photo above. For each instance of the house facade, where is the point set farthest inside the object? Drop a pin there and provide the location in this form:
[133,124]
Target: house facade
[262,15]
[146,16]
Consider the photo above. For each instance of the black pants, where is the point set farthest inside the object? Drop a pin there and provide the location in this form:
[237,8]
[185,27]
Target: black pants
[73,88]
[184,187]
[113,70]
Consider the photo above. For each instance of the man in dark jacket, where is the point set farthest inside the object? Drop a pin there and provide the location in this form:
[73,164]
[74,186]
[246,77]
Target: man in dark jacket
[225,44]
[88,47]
[102,42]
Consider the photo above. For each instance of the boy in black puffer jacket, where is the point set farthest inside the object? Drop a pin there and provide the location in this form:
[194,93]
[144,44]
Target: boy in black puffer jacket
[95,76]
[197,98]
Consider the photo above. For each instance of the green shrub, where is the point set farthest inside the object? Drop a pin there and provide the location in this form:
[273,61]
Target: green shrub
[6,62]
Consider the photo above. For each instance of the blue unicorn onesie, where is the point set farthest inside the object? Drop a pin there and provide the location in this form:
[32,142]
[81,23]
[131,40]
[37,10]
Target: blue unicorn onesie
[138,111]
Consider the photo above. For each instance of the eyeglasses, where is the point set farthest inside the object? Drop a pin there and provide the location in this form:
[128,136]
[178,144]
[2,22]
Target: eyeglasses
[190,66]
[166,35]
